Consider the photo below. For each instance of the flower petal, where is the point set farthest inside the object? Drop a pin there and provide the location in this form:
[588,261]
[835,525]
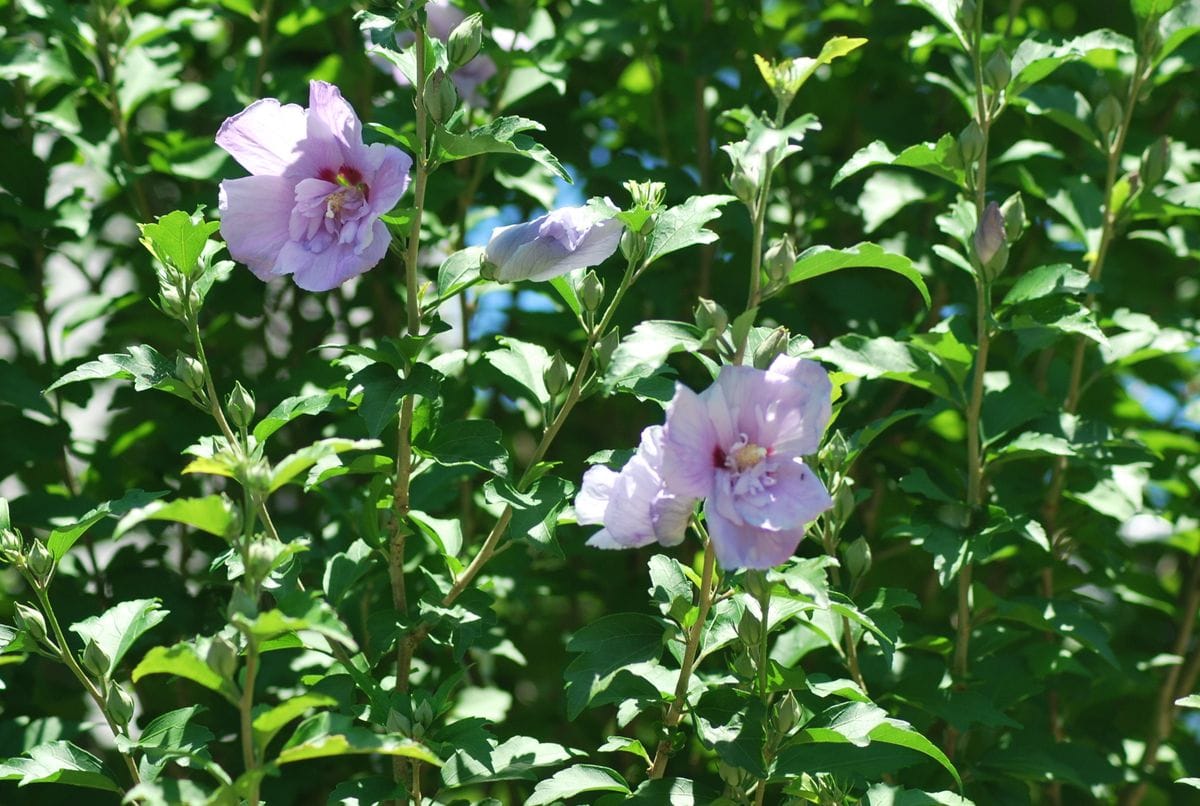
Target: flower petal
[325,270]
[669,515]
[390,178]
[748,546]
[688,446]
[264,137]
[796,498]
[254,219]
[334,131]
[593,495]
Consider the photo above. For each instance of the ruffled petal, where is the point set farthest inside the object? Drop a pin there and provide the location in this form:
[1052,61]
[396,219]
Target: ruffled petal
[325,270]
[795,498]
[689,445]
[593,495]
[265,136]
[254,219]
[604,540]
[390,178]
[669,515]
[627,516]
[748,546]
[334,130]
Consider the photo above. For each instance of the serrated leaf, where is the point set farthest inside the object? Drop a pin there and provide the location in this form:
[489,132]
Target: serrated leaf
[326,735]
[178,239]
[459,271]
[575,781]
[474,443]
[501,136]
[62,538]
[683,226]
[1058,278]
[58,763]
[214,514]
[119,627]
[818,260]
[268,723]
[183,660]
[144,365]
[605,648]
[383,389]
[524,363]
[939,159]
[294,464]
[291,408]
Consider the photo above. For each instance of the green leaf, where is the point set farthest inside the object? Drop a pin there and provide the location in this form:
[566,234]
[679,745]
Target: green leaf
[623,744]
[446,533]
[1034,61]
[144,365]
[178,239]
[62,538]
[646,349]
[818,260]
[326,735]
[473,443]
[1058,278]
[1190,701]
[851,722]
[142,73]
[575,781]
[501,136]
[523,363]
[902,734]
[683,226]
[58,763]
[119,627]
[939,159]
[731,723]
[294,464]
[884,795]
[346,568]
[885,357]
[383,389]
[605,647]
[535,511]
[184,660]
[291,408]
[1047,317]
[214,514]
[268,723]
[459,271]
[1178,26]
[946,12]
[485,759]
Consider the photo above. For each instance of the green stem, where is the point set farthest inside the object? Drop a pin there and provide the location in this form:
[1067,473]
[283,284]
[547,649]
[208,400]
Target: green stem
[64,654]
[264,33]
[675,713]
[246,707]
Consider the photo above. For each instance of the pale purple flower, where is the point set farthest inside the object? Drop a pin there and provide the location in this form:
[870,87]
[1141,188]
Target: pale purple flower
[441,18]
[311,206]
[739,445]
[633,505]
[560,241]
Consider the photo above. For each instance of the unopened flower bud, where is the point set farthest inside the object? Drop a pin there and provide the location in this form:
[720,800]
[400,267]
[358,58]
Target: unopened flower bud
[30,621]
[171,300]
[439,97]
[40,562]
[1108,117]
[555,375]
[1013,211]
[997,72]
[591,292]
[190,371]
[991,250]
[843,503]
[465,41]
[787,714]
[261,558]
[241,406]
[398,722]
[96,660]
[1156,161]
[966,15]
[222,657]
[779,259]
[606,348]
[755,583]
[970,143]
[11,544]
[857,554]
[833,453]
[750,628]
[711,317]
[119,704]
[770,348]
[743,185]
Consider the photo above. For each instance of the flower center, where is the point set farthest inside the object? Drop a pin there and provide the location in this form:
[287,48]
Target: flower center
[747,456]
[750,467]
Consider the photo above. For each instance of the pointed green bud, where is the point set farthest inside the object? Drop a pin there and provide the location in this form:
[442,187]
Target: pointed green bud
[241,406]
[779,259]
[647,195]
[1013,211]
[991,250]
[832,456]
[970,143]
[40,562]
[711,317]
[591,292]
[787,714]
[190,371]
[11,544]
[30,621]
[119,704]
[556,375]
[465,41]
[770,348]
[755,583]
[997,72]
[261,556]
[439,97]
[743,186]
[966,15]
[1156,161]
[857,555]
[749,628]
[843,502]
[1108,117]
[96,660]
[171,301]
[222,657]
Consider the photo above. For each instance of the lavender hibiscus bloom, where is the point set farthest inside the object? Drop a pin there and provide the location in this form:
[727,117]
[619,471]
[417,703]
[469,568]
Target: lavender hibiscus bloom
[311,206]
[739,445]
[560,241]
[633,506]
